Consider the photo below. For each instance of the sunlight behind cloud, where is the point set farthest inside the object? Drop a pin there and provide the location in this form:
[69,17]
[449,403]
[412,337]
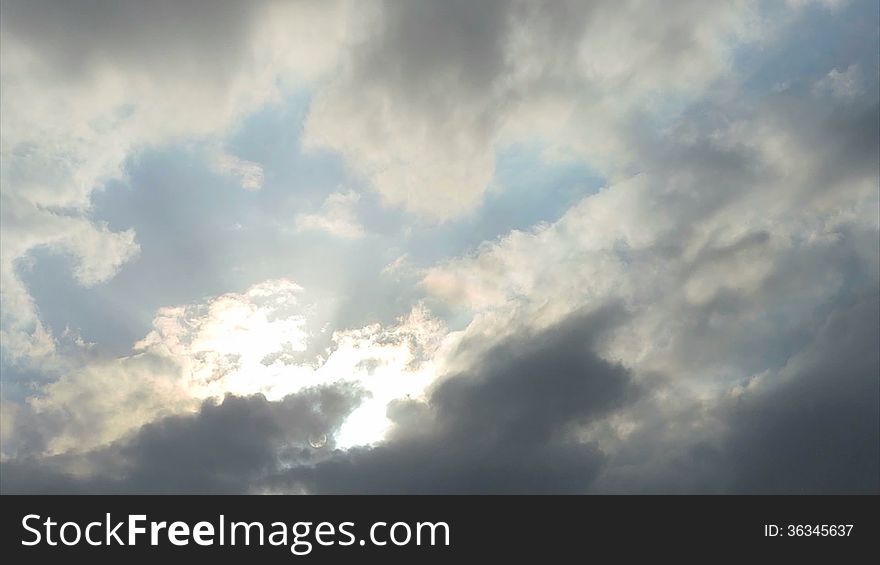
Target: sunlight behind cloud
[252,343]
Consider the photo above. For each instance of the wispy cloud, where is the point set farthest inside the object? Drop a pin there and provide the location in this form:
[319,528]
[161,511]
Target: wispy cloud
[336,216]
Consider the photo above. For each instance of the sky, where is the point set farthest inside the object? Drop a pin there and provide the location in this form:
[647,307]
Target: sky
[573,247]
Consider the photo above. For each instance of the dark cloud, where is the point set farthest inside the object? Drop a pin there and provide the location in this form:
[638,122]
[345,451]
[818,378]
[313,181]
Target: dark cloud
[423,45]
[506,426]
[446,53]
[815,428]
[224,448]
[510,425]
[205,38]
[812,427]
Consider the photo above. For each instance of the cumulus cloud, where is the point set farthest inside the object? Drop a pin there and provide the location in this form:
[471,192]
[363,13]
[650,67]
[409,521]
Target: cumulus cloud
[508,426]
[89,84]
[730,229]
[541,413]
[440,85]
[704,322]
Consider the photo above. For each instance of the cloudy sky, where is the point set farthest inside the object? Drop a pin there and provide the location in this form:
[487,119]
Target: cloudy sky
[596,246]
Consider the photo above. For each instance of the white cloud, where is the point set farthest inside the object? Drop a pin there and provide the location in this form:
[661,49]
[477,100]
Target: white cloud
[421,104]
[723,246]
[85,87]
[412,99]
[248,173]
[337,217]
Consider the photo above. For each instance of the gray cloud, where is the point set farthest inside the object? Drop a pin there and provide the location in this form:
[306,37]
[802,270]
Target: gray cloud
[224,448]
[204,38]
[515,424]
[507,426]
[812,427]
[745,249]
[440,84]
[816,427]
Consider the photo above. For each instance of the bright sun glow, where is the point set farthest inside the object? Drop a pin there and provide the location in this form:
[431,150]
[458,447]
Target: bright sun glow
[248,343]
